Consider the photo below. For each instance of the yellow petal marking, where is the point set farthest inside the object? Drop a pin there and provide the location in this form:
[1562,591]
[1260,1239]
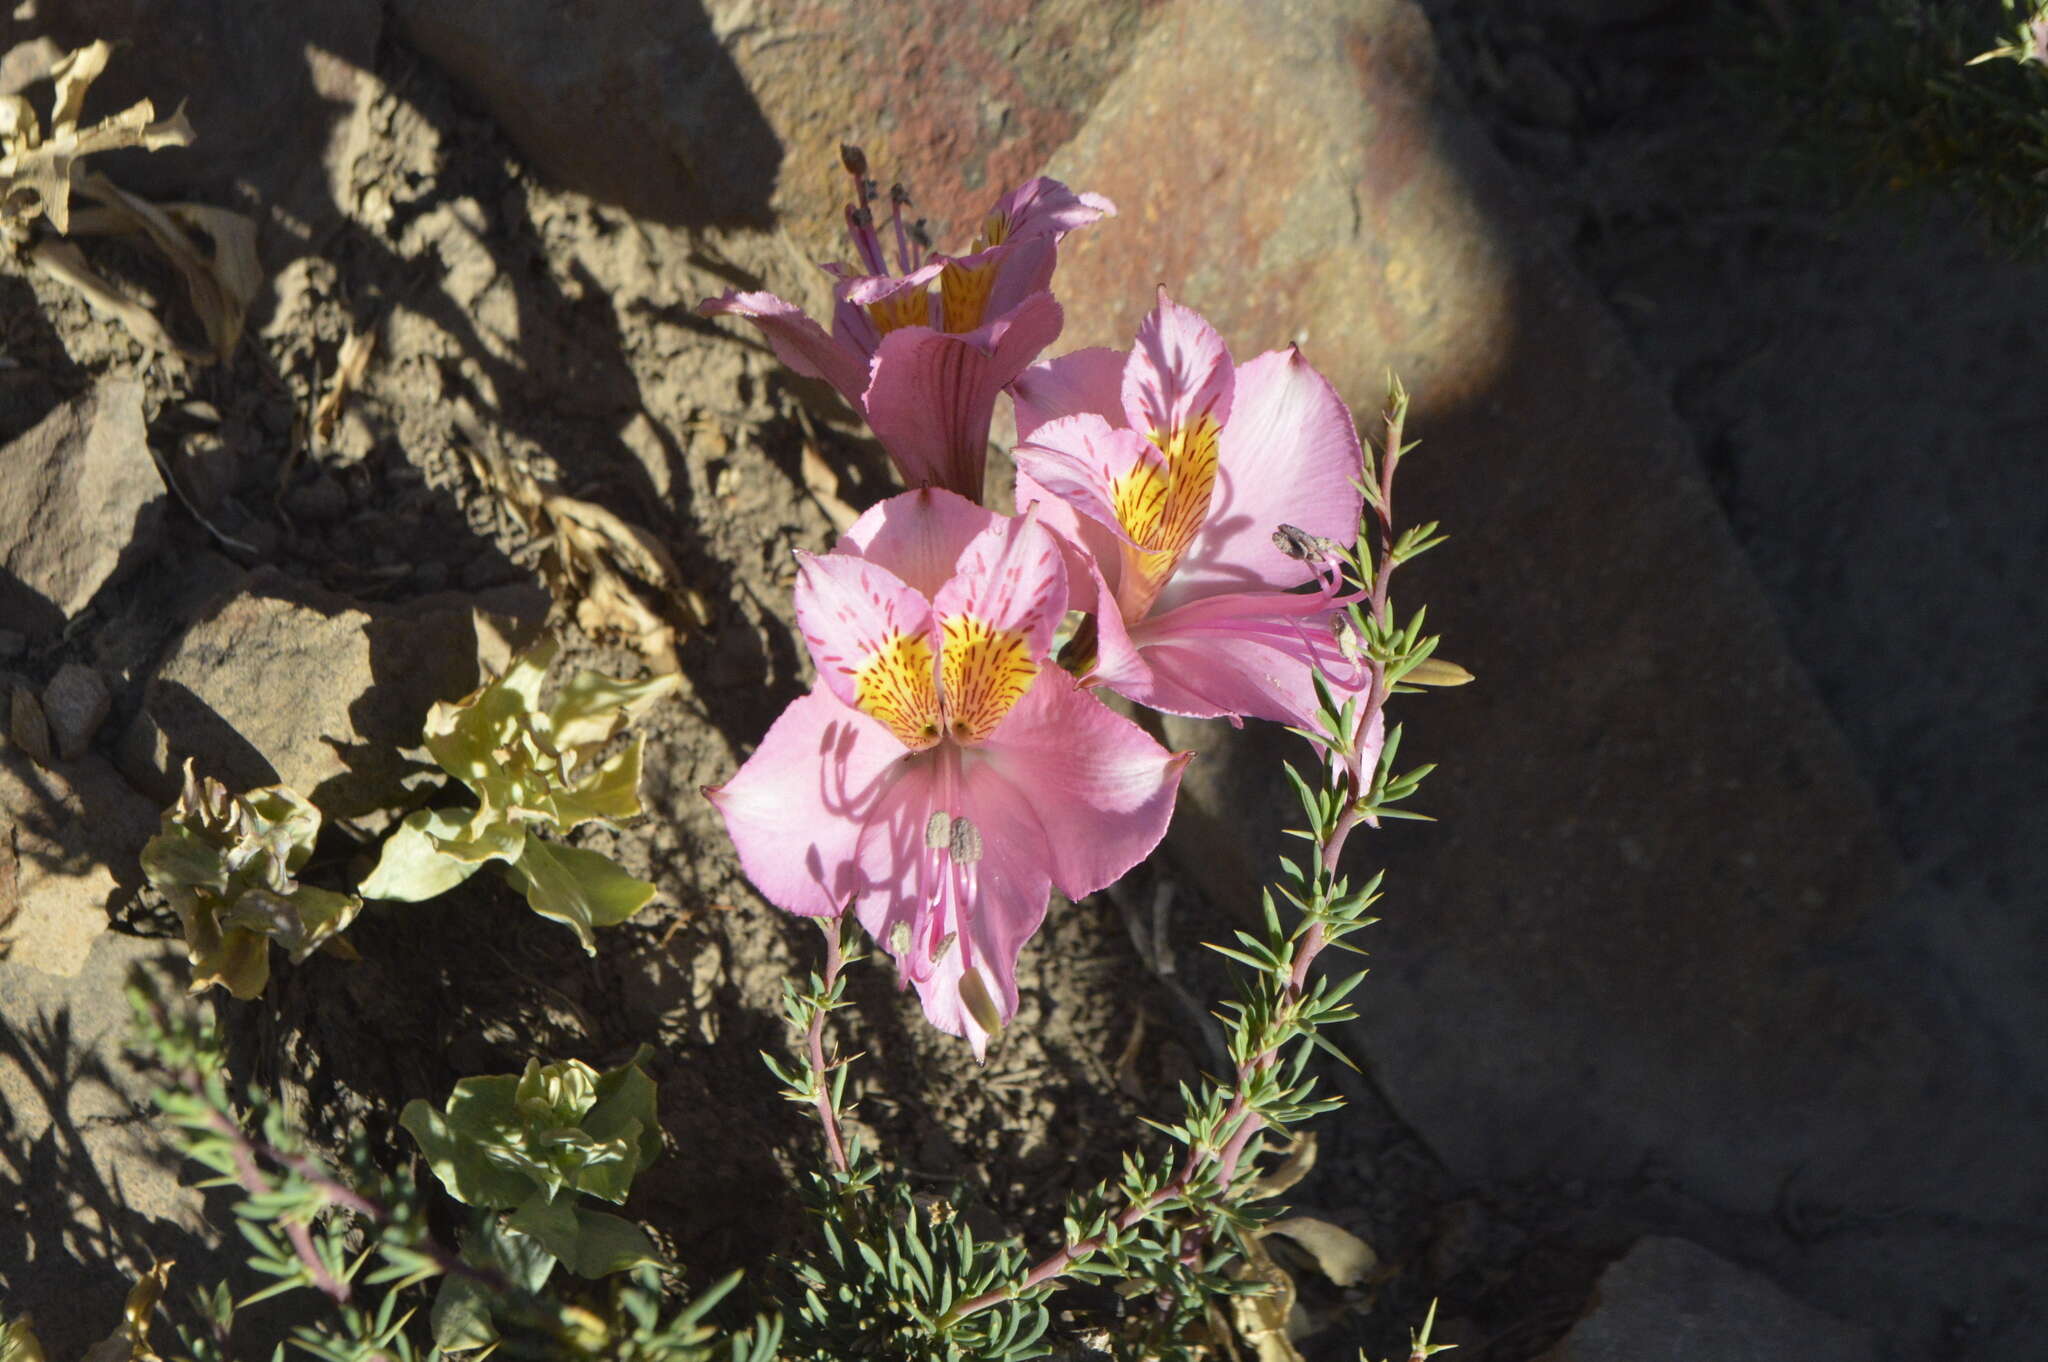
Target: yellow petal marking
[995,230]
[905,307]
[894,685]
[1161,509]
[984,671]
[963,295]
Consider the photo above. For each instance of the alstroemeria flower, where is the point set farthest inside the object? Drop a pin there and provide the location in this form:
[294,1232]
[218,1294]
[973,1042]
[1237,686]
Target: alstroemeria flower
[943,774]
[1175,470]
[921,353]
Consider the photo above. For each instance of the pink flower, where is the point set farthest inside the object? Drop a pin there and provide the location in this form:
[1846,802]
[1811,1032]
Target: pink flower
[1175,469]
[942,775]
[923,364]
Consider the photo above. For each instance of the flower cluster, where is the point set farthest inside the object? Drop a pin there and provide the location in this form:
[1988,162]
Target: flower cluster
[1178,527]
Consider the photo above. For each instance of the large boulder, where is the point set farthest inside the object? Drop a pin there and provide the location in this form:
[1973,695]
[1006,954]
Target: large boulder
[733,110]
[285,683]
[1674,1301]
[81,503]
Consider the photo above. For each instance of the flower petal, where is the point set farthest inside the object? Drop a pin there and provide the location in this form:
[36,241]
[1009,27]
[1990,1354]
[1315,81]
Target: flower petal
[798,341]
[1090,380]
[1012,577]
[1046,207]
[996,619]
[918,535]
[1244,655]
[1100,788]
[932,395]
[1082,460]
[1289,455]
[1178,374]
[1089,550]
[871,637]
[795,809]
[944,902]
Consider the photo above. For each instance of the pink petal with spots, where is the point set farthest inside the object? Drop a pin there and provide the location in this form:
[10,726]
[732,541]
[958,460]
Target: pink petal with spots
[1011,578]
[1289,455]
[796,808]
[932,395]
[1089,551]
[1081,459]
[1178,372]
[850,609]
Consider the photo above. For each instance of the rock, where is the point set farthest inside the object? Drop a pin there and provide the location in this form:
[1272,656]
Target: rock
[94,1194]
[69,840]
[1676,1302]
[317,502]
[733,111]
[13,643]
[75,705]
[1541,91]
[263,84]
[285,683]
[80,503]
[1632,934]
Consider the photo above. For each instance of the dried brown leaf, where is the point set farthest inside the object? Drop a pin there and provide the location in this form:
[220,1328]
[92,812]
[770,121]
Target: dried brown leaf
[74,74]
[592,556]
[66,263]
[1341,1255]
[1265,1321]
[222,282]
[37,169]
[130,1342]
[350,366]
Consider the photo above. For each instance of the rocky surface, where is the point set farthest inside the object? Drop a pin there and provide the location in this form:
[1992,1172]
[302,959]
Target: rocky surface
[1645,974]
[284,684]
[89,1196]
[80,503]
[1676,1302]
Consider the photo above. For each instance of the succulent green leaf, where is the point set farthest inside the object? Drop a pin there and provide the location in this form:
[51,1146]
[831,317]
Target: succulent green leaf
[589,1243]
[461,1315]
[578,888]
[18,1343]
[471,1149]
[612,792]
[412,865]
[591,707]
[625,1110]
[179,858]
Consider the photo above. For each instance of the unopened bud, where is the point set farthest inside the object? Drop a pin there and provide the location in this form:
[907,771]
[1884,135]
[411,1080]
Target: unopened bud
[854,159]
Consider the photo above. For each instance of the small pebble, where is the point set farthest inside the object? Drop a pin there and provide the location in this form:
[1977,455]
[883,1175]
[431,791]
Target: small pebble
[317,502]
[75,705]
